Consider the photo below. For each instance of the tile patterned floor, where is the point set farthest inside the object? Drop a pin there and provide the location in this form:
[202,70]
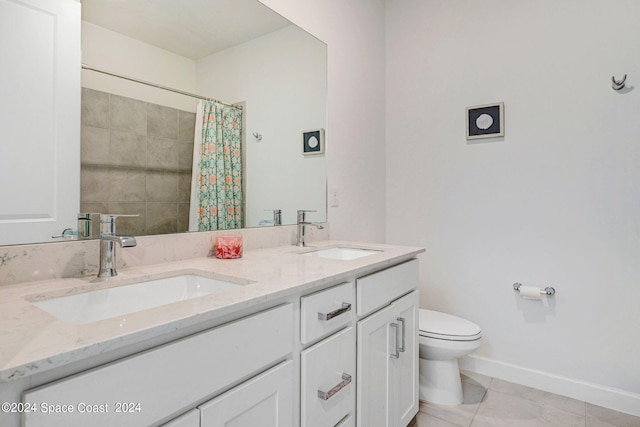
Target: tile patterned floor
[490,402]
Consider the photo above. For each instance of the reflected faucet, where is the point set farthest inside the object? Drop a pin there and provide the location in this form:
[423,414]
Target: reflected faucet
[108,240]
[302,231]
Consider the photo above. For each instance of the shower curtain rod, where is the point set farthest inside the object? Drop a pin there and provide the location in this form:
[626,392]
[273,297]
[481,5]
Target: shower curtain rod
[98,70]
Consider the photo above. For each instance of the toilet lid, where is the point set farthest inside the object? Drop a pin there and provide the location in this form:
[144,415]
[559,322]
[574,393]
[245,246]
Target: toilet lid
[434,324]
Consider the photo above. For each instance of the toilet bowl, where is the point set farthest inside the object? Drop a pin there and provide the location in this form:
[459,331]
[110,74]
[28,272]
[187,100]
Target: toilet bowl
[443,338]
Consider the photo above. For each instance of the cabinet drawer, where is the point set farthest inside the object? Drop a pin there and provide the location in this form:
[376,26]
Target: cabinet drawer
[348,421]
[378,289]
[326,311]
[170,378]
[190,419]
[265,401]
[328,380]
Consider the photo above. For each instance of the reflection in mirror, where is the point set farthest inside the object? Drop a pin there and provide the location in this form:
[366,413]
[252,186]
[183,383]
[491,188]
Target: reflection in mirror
[239,52]
[137,140]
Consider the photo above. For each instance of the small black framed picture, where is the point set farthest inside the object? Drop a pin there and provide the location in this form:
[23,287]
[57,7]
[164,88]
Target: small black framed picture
[313,141]
[485,121]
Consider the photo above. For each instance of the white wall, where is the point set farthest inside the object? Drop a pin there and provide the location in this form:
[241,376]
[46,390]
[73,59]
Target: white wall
[354,33]
[282,76]
[110,51]
[554,202]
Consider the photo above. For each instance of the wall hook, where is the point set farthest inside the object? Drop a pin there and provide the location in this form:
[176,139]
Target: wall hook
[257,136]
[618,85]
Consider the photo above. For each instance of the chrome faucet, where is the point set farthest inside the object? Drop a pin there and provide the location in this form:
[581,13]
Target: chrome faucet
[108,240]
[302,231]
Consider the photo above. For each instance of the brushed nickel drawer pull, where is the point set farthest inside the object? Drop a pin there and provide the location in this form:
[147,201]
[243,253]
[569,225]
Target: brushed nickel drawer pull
[328,316]
[326,395]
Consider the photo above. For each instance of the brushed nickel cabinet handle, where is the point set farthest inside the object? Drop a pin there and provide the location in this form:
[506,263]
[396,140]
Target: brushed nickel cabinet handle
[326,395]
[328,316]
[396,353]
[402,346]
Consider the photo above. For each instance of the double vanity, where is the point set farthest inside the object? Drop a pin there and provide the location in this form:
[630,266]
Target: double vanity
[285,336]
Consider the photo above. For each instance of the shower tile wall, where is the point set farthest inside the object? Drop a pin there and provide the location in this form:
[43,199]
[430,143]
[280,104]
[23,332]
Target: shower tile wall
[136,158]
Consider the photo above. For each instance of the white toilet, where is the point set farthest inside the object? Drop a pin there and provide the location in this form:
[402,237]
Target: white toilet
[443,338]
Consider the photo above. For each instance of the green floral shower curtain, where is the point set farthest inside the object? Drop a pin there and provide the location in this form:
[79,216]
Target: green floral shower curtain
[216,191]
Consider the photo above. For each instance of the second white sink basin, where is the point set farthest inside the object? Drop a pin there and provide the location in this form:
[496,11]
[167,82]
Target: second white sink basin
[344,254]
[106,303]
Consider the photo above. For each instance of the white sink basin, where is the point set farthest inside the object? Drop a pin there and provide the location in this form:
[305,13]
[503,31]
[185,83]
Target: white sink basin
[344,254]
[106,303]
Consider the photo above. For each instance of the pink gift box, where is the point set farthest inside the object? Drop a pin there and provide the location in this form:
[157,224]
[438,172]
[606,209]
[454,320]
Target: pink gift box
[229,246]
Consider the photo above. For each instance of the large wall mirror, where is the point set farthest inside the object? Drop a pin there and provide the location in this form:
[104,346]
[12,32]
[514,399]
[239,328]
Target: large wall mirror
[137,140]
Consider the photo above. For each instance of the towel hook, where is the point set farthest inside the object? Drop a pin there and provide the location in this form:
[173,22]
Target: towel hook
[618,85]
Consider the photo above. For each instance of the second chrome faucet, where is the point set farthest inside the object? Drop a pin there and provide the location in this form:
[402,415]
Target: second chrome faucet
[302,230]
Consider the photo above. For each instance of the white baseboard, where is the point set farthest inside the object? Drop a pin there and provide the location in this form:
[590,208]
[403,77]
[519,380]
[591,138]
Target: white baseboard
[596,394]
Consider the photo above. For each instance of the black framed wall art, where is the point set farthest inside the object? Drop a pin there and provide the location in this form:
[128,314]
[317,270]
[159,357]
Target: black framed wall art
[485,121]
[313,141]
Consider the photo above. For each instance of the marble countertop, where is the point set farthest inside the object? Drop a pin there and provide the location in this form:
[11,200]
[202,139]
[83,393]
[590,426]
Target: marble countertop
[33,341]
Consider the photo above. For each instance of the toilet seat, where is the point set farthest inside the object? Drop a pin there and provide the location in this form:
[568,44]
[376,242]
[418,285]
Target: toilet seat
[443,326]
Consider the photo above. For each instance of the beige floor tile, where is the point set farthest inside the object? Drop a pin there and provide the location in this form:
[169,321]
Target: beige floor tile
[500,409]
[475,378]
[426,420]
[594,422]
[513,405]
[597,416]
[560,402]
[460,415]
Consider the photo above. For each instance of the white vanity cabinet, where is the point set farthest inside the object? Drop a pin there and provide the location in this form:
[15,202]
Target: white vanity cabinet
[328,368]
[146,388]
[345,355]
[387,353]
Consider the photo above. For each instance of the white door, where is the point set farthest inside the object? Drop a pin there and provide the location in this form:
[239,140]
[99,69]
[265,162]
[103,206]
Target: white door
[375,339]
[39,118]
[265,401]
[404,387]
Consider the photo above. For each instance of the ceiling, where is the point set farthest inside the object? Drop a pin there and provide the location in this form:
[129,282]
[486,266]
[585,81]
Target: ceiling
[190,28]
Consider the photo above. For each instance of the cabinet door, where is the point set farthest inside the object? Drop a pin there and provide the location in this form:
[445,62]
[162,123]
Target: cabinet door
[404,369]
[388,365]
[265,401]
[375,340]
